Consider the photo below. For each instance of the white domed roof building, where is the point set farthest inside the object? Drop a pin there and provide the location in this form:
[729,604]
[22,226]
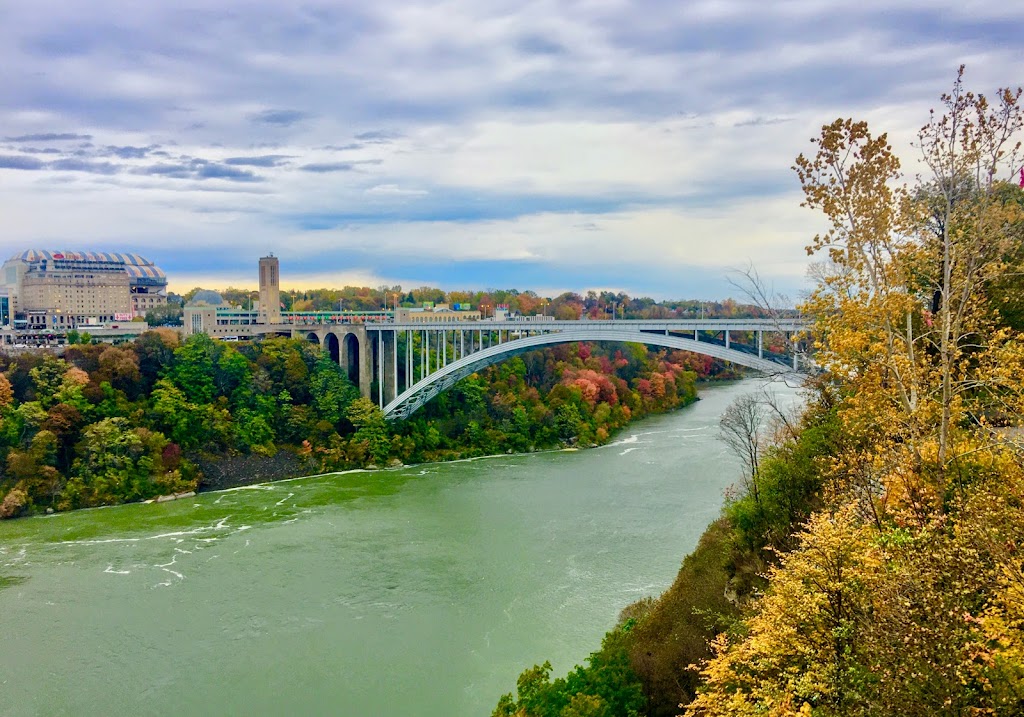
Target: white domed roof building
[60,290]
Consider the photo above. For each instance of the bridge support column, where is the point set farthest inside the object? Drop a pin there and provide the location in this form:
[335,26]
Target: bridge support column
[379,356]
[365,365]
[760,344]
[390,368]
[727,338]
[696,335]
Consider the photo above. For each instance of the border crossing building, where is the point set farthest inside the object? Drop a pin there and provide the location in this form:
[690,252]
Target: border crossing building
[57,291]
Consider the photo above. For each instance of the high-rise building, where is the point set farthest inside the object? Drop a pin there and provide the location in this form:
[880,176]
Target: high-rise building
[270,290]
[60,290]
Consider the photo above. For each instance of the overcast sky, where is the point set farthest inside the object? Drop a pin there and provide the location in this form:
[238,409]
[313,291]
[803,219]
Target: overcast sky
[598,144]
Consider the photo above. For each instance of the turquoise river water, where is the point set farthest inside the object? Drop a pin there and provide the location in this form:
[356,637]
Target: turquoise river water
[418,591]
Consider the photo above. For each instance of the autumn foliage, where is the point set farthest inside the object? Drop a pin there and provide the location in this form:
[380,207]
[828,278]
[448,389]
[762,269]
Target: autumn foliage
[870,564]
[901,594]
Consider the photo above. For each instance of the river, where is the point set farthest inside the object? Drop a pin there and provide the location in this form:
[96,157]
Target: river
[418,591]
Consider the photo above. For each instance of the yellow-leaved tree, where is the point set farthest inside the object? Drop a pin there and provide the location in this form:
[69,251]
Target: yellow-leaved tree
[905,595]
[802,647]
[905,324]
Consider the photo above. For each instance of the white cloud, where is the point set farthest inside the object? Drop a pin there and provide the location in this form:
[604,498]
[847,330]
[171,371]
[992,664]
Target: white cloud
[393,190]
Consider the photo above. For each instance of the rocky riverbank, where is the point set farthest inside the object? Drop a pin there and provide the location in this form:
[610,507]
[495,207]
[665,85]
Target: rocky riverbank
[229,471]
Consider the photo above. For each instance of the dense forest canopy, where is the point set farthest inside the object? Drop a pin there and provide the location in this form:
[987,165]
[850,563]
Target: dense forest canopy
[106,424]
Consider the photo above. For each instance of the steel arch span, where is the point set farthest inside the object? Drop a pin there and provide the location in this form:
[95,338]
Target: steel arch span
[408,402]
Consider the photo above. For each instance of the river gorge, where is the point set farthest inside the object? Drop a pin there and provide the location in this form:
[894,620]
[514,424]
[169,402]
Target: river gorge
[423,590]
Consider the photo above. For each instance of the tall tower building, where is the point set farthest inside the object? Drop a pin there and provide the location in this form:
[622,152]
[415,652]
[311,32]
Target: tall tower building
[270,290]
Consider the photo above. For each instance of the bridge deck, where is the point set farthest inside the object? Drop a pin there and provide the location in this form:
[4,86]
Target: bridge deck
[603,325]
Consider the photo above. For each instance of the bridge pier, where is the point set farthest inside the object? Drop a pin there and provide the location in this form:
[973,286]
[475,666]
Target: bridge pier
[389,344]
[365,363]
[349,345]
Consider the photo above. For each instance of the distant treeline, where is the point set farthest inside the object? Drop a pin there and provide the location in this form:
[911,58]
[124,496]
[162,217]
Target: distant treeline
[568,305]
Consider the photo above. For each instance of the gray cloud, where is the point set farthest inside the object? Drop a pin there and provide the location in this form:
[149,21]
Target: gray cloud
[279,118]
[539,45]
[128,152]
[80,165]
[762,121]
[212,170]
[174,171]
[198,169]
[325,167]
[48,137]
[15,162]
[343,147]
[266,160]
[377,136]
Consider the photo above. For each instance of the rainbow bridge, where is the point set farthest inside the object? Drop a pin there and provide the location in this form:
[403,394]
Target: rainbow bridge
[413,362]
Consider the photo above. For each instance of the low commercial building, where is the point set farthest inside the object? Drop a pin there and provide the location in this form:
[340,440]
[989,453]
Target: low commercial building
[435,313]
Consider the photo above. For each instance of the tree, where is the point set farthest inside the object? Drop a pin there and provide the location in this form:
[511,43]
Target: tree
[742,429]
[120,367]
[47,379]
[567,421]
[803,650]
[371,427]
[603,687]
[192,368]
[918,375]
[972,141]
[118,463]
[167,315]
[899,597]
[332,390]
[36,479]
[6,393]
[155,349]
